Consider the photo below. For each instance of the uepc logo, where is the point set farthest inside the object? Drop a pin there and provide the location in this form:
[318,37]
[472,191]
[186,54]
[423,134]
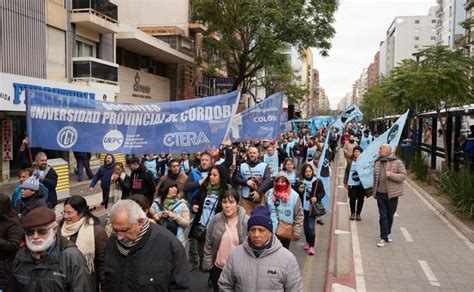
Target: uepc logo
[67,137]
[113,140]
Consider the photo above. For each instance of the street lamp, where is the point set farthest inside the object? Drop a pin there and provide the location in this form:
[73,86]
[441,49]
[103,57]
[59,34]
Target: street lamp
[417,55]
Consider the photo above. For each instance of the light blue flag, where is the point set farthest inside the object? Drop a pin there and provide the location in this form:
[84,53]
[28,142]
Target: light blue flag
[323,173]
[318,122]
[365,163]
[60,122]
[259,122]
[350,113]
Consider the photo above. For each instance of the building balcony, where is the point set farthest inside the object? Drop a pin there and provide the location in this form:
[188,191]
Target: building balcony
[96,15]
[197,27]
[143,43]
[96,70]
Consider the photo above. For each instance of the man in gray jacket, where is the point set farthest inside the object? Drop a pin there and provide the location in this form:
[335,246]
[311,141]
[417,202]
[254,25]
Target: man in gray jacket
[261,263]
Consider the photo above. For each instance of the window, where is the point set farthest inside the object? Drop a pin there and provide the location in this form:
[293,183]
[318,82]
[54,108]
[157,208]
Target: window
[417,38]
[417,21]
[433,21]
[433,38]
[416,46]
[83,49]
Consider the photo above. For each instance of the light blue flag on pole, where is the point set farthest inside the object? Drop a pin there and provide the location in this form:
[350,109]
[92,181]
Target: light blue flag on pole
[259,122]
[350,113]
[365,163]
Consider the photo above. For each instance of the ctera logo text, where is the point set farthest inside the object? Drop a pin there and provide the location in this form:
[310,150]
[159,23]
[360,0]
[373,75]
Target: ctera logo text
[185,139]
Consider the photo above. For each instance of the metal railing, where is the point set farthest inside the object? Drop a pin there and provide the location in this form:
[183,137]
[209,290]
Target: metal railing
[94,71]
[102,8]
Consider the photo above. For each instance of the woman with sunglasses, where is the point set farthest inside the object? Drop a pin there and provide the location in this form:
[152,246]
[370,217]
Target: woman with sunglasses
[11,234]
[83,228]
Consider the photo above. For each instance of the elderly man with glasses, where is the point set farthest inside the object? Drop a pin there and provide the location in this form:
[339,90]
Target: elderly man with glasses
[48,262]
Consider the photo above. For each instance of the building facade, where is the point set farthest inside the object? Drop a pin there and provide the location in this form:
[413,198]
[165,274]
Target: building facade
[405,36]
[450,14]
[469,30]
[54,45]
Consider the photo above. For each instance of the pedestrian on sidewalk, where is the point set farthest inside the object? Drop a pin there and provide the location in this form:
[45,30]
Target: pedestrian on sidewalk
[261,263]
[49,262]
[84,229]
[83,162]
[140,256]
[311,191]
[349,148]
[286,211]
[104,174]
[227,230]
[11,234]
[389,174]
[355,188]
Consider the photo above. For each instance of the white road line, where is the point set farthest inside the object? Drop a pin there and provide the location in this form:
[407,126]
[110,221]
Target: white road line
[406,234]
[449,224]
[396,214]
[429,273]
[359,269]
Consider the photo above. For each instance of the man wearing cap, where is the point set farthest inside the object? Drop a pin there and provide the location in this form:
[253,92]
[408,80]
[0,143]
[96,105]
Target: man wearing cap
[49,262]
[261,263]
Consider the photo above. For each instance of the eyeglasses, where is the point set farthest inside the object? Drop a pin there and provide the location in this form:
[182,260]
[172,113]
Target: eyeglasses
[40,231]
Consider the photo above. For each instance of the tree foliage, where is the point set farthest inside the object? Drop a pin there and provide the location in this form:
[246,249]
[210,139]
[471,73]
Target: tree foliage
[254,33]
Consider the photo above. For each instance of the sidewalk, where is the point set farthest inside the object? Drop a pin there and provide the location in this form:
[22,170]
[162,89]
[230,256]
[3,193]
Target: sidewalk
[426,254]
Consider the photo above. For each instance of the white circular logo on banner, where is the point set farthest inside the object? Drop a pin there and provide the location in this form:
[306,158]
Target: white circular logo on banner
[67,137]
[113,140]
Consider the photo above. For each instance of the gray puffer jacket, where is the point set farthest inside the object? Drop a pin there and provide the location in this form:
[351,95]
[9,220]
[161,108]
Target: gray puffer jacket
[215,231]
[275,270]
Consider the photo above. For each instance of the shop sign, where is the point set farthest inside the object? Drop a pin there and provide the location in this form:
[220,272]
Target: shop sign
[14,87]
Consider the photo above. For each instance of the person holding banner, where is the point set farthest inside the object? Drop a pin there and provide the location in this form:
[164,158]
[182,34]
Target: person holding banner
[353,184]
[254,177]
[389,174]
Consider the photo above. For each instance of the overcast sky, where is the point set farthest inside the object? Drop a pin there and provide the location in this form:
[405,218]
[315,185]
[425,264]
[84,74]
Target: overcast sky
[360,27]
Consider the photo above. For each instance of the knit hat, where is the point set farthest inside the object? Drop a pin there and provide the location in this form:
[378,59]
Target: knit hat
[357,148]
[260,216]
[31,183]
[38,217]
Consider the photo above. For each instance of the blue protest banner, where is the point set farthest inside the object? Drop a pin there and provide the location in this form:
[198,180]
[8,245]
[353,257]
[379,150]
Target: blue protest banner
[323,173]
[365,163]
[260,122]
[67,123]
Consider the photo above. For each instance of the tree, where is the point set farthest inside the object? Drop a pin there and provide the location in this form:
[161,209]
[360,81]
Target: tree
[441,80]
[253,34]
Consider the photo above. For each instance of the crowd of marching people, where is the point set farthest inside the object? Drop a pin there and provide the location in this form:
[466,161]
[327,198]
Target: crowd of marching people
[217,211]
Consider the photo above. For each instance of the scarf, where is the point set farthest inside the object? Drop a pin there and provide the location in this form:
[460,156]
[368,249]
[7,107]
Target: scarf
[385,158]
[169,202]
[280,192]
[125,248]
[214,189]
[85,238]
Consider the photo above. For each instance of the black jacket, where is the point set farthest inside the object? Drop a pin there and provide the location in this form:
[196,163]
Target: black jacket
[63,270]
[50,181]
[11,234]
[143,182]
[317,190]
[157,263]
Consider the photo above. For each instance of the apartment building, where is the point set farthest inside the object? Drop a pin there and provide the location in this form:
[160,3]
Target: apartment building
[405,36]
[56,44]
[450,14]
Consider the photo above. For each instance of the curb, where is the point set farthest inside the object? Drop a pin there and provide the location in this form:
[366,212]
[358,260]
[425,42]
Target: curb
[458,224]
[342,283]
